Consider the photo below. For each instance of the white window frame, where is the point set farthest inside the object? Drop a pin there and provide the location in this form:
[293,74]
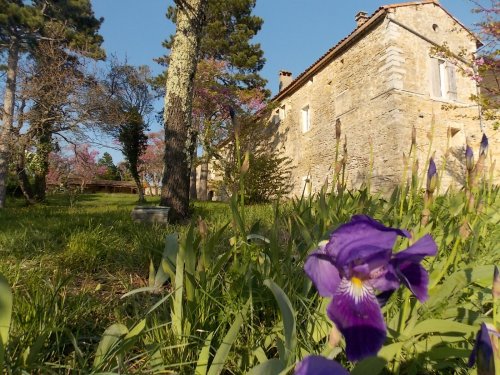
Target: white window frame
[282,112]
[443,81]
[305,113]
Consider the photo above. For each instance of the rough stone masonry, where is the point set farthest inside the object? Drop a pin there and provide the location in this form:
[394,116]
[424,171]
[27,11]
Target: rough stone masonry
[381,81]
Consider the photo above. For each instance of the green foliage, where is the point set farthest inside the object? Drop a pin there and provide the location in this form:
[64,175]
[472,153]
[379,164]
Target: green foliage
[265,171]
[29,22]
[219,296]
[111,170]
[133,138]
[230,27]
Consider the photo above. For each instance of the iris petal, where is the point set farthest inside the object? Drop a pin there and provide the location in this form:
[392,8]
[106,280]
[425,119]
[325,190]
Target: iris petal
[407,265]
[361,232]
[322,272]
[384,278]
[425,246]
[415,277]
[364,260]
[318,365]
[357,315]
[482,353]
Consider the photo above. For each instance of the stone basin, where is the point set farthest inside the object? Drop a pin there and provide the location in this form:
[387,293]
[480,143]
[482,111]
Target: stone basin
[150,214]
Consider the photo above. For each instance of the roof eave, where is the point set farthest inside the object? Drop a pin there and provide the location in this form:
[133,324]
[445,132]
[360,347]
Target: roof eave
[327,58]
[357,33]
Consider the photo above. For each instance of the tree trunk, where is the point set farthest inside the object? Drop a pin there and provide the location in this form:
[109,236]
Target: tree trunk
[24,182]
[204,179]
[193,194]
[8,116]
[178,106]
[140,188]
[43,149]
[19,150]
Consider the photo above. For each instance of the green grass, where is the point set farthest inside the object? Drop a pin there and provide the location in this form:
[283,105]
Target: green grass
[69,262]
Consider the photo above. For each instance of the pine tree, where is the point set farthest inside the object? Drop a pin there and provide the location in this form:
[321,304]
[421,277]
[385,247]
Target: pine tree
[230,27]
[111,172]
[226,40]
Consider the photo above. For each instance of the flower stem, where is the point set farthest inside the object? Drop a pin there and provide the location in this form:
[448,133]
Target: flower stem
[401,327]
[404,311]
[449,260]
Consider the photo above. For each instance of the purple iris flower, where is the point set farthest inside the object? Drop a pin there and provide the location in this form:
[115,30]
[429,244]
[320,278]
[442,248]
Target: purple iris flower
[483,147]
[483,353]
[469,158]
[496,284]
[354,266]
[318,365]
[431,176]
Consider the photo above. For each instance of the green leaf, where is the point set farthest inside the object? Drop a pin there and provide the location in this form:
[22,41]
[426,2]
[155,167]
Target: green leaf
[155,360]
[138,328]
[374,365]
[455,283]
[160,302]
[272,366]
[446,352]
[5,309]
[260,354]
[177,314]
[441,326]
[166,269]
[288,316]
[35,348]
[202,364]
[221,355]
[258,237]
[371,365]
[236,215]
[109,339]
[139,290]
[151,278]
[189,244]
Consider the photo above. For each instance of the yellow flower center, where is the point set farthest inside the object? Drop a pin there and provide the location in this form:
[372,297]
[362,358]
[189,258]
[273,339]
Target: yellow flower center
[357,282]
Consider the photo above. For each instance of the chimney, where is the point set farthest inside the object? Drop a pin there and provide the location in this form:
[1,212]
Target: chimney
[285,79]
[361,18]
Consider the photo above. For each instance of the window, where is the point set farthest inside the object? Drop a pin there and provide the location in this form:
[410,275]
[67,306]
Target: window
[282,112]
[306,119]
[444,83]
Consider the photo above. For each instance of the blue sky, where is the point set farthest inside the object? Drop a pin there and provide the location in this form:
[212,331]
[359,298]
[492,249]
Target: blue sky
[295,33]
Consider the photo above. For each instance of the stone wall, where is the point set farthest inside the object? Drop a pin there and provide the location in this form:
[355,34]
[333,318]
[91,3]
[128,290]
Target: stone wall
[380,87]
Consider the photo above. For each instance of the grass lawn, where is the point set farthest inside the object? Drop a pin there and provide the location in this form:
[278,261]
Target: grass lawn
[70,261]
[237,293]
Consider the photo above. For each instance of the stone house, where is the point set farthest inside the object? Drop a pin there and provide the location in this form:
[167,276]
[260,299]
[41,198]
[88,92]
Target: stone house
[380,82]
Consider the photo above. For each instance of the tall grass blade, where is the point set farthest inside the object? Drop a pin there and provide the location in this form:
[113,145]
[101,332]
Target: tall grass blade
[272,366]
[5,316]
[289,321]
[168,261]
[177,313]
[202,364]
[5,309]
[221,355]
[110,339]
